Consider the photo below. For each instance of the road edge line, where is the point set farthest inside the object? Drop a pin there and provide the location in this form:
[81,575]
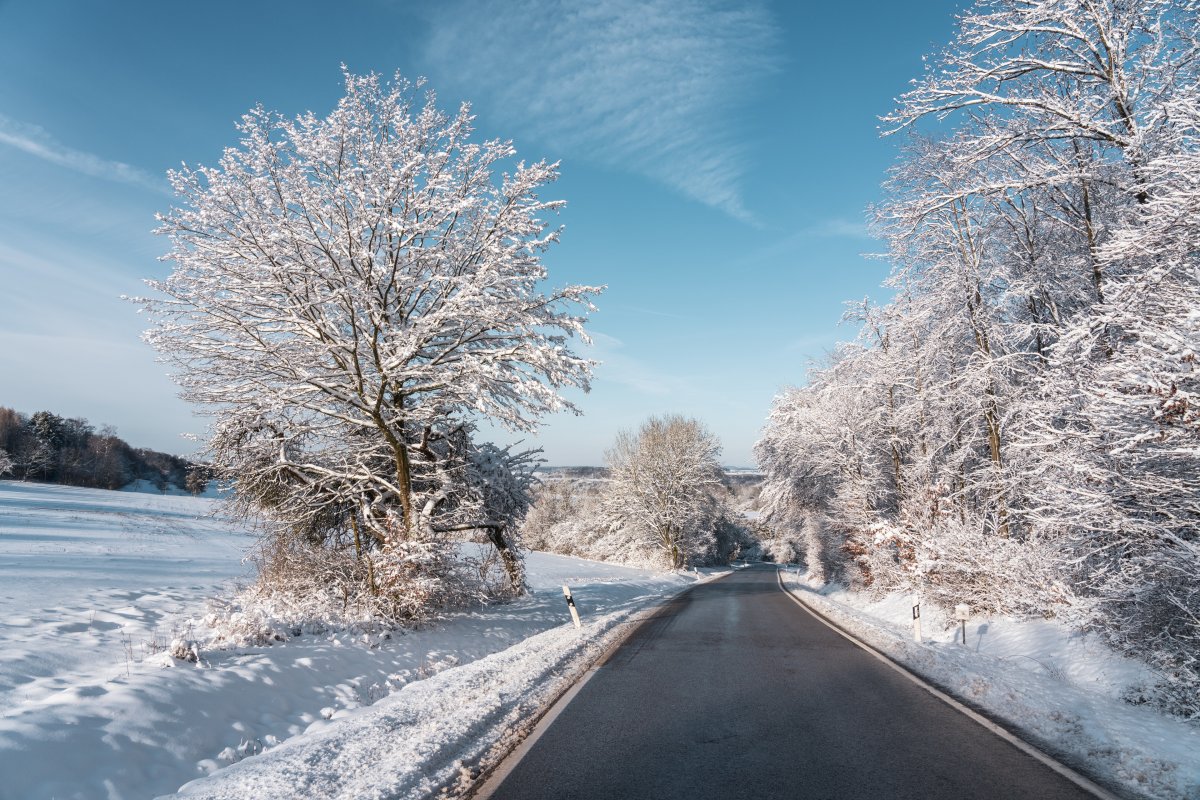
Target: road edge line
[1067,772]
[487,784]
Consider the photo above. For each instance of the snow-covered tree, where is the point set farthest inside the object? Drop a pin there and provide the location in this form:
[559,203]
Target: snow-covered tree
[1017,428]
[198,477]
[1069,71]
[663,496]
[6,463]
[499,493]
[1120,432]
[1125,379]
[350,293]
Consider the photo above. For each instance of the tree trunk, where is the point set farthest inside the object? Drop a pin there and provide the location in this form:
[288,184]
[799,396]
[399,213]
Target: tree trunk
[508,557]
[1088,225]
[992,422]
[894,435]
[403,469]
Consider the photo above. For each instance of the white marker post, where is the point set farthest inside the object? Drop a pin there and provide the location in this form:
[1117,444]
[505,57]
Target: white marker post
[962,612]
[571,605]
[916,611]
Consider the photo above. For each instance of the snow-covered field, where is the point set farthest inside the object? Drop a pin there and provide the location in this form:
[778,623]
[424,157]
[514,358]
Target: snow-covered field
[94,584]
[1058,689]
[90,581]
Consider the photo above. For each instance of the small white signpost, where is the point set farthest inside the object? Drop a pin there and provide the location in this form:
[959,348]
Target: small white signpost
[962,612]
[916,611]
[571,605]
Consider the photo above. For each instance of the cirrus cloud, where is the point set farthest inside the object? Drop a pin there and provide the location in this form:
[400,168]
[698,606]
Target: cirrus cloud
[651,86]
[39,143]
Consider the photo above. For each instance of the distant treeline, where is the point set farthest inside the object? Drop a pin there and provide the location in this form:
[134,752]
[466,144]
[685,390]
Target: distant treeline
[735,476]
[575,472]
[47,447]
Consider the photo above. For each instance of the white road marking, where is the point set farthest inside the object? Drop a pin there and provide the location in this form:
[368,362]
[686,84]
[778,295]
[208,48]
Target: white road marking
[1025,747]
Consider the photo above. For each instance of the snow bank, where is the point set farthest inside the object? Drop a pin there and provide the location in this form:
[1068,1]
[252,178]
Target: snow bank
[1059,689]
[432,734]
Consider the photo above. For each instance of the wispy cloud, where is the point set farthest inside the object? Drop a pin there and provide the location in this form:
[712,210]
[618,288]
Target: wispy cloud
[620,367]
[651,86]
[38,142]
[838,229]
[812,344]
[787,247]
[649,312]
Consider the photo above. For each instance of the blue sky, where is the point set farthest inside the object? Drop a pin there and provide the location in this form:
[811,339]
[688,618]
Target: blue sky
[717,159]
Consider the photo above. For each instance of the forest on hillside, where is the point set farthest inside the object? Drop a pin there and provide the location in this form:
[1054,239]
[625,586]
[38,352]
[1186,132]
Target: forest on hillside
[47,447]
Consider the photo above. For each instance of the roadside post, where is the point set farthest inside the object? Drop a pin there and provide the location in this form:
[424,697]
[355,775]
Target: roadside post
[916,612]
[962,612]
[571,605]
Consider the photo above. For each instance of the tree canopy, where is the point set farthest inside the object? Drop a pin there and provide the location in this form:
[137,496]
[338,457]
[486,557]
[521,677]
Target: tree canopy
[350,295]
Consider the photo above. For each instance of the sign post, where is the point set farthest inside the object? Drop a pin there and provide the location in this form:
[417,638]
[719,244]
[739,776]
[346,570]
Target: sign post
[916,612]
[571,605]
[962,612]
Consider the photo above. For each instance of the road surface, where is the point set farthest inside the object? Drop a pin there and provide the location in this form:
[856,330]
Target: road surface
[732,691]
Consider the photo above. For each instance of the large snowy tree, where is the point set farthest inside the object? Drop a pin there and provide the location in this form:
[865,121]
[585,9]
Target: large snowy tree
[350,295]
[664,479]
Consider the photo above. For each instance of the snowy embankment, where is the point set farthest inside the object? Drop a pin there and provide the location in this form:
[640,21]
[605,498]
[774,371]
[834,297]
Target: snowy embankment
[94,585]
[1056,688]
[435,734]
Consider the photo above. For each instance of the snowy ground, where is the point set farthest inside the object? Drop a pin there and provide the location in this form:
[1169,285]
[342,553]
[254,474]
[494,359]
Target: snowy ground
[1059,689]
[94,584]
[92,580]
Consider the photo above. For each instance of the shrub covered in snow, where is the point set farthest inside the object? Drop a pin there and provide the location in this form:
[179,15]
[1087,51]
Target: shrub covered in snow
[185,650]
[303,587]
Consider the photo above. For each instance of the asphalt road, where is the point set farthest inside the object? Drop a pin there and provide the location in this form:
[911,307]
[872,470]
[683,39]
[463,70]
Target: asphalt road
[734,691]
